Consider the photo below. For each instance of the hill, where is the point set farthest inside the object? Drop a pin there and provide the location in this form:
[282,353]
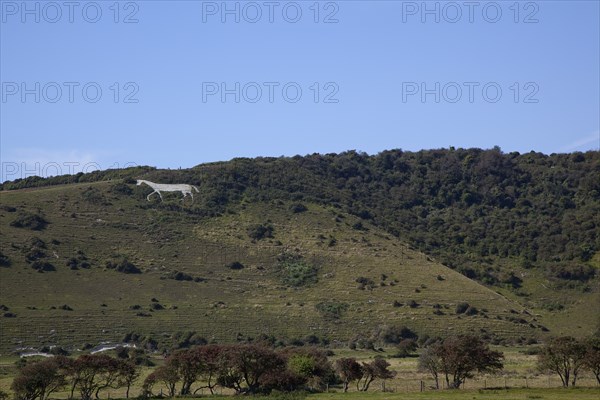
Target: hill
[335,246]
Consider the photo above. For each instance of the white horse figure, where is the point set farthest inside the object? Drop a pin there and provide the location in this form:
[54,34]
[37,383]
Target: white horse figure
[164,187]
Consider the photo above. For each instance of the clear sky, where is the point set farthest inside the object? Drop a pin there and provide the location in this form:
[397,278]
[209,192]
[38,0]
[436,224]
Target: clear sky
[178,83]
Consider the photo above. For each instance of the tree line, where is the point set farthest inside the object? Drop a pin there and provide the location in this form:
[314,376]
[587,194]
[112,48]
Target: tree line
[87,375]
[252,368]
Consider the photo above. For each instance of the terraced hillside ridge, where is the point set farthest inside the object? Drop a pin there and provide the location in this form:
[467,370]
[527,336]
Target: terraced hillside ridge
[107,263]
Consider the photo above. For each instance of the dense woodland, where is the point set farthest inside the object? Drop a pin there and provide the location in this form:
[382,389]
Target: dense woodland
[477,211]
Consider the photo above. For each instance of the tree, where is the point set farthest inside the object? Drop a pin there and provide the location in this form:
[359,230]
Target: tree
[254,362]
[311,366]
[40,379]
[148,385]
[128,374]
[91,373]
[430,362]
[458,358]
[212,360]
[165,374]
[349,370]
[564,356]
[189,365]
[592,356]
[247,368]
[376,369]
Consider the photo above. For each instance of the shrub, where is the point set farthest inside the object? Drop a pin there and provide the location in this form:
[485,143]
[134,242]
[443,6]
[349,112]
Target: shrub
[4,260]
[393,334]
[94,196]
[413,304]
[123,265]
[29,220]
[365,283]
[121,188]
[581,273]
[79,261]
[358,226]
[42,266]
[331,310]
[236,265]
[260,231]
[142,314]
[406,348]
[34,253]
[295,271]
[298,208]
[511,280]
[472,311]
[180,276]
[552,306]
[461,308]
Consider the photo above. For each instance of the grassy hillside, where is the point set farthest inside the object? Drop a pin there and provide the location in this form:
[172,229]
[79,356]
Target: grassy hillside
[333,246]
[482,212]
[300,281]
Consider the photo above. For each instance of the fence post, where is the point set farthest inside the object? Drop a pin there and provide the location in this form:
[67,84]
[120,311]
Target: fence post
[505,387]
[485,383]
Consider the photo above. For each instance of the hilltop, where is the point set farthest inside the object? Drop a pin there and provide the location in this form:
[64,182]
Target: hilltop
[331,247]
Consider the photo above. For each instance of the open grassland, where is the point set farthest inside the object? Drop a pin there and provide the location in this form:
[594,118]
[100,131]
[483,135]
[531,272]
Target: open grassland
[224,304]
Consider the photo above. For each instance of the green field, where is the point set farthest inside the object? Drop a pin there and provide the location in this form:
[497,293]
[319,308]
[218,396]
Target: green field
[511,394]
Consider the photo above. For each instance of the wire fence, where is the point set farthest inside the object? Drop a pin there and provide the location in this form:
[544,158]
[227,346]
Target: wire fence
[482,383]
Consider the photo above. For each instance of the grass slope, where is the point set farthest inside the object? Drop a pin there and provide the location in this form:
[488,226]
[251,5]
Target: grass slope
[105,221]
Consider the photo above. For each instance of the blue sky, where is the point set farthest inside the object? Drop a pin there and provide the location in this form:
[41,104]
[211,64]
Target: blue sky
[187,82]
